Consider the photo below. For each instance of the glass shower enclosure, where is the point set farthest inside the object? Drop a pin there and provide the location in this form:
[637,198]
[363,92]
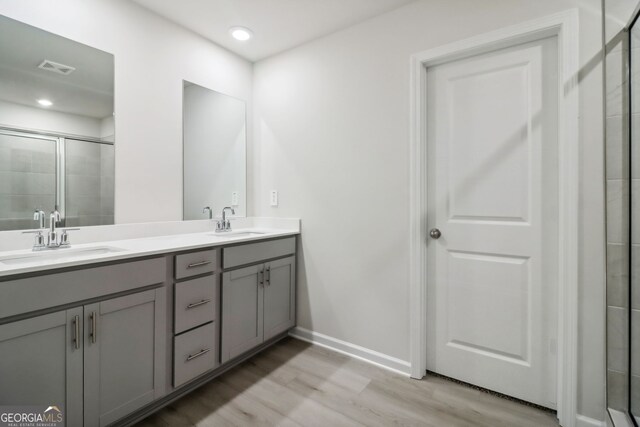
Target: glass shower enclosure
[48,172]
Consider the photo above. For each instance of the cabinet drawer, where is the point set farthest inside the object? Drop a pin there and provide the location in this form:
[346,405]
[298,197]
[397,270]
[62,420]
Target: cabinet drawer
[51,290]
[194,353]
[256,252]
[195,302]
[195,263]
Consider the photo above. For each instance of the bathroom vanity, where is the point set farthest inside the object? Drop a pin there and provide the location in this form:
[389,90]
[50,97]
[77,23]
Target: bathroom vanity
[116,330]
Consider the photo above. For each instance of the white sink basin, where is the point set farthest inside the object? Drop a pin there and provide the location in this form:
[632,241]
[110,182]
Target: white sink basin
[56,255]
[238,234]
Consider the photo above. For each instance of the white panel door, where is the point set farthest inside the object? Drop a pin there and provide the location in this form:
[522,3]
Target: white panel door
[492,182]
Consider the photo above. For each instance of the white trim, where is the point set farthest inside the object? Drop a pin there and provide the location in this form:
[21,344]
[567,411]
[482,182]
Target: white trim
[381,360]
[582,421]
[564,25]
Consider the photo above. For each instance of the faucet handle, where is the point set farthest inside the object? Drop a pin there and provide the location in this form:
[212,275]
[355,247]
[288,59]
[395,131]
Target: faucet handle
[38,240]
[64,237]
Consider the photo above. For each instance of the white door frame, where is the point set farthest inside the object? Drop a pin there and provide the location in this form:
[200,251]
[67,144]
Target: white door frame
[564,26]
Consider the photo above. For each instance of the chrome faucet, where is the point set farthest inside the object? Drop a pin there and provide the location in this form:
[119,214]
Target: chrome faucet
[38,215]
[53,242]
[224,225]
[52,238]
[38,242]
[207,208]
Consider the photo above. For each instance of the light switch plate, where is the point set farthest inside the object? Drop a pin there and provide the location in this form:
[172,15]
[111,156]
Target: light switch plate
[234,198]
[274,198]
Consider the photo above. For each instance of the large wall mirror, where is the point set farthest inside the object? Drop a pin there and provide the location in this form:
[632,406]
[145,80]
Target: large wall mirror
[57,130]
[214,133]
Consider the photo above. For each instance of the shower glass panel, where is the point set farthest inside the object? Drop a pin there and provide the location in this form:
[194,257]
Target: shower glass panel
[89,179]
[27,178]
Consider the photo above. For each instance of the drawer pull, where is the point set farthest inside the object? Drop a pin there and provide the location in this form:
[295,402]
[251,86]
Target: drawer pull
[197,304]
[198,354]
[198,264]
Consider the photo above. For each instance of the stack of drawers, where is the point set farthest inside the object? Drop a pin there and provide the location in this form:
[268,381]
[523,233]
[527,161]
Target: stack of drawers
[196,324]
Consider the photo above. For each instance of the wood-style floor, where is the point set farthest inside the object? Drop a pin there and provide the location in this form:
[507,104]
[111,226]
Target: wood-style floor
[297,384]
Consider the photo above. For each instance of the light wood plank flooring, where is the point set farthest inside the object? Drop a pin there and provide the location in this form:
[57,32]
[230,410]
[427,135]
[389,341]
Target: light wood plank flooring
[297,384]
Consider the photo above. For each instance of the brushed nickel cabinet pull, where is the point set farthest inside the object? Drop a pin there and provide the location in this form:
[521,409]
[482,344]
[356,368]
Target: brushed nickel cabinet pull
[94,327]
[268,276]
[76,332]
[198,354]
[198,264]
[196,304]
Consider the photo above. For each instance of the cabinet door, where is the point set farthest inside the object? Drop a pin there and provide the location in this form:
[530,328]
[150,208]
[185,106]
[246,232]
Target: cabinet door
[124,359]
[242,304]
[41,363]
[279,297]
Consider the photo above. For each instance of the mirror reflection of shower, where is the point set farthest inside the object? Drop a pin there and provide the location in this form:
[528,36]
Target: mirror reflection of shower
[46,172]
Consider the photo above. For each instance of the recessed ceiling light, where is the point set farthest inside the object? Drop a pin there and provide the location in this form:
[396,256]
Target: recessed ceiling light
[45,102]
[240,33]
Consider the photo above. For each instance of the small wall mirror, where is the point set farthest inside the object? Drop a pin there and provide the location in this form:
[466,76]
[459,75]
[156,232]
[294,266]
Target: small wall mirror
[214,145]
[57,130]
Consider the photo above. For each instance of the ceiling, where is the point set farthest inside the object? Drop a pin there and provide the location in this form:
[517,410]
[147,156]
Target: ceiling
[277,25]
[87,91]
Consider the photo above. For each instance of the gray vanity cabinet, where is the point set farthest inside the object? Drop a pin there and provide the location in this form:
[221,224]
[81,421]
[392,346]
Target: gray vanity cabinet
[258,303]
[124,346]
[242,305]
[279,297]
[41,363]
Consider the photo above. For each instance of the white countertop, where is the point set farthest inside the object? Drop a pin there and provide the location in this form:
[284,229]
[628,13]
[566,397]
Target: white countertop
[129,248]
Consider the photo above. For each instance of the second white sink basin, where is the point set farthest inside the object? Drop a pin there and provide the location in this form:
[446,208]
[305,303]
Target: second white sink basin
[56,255]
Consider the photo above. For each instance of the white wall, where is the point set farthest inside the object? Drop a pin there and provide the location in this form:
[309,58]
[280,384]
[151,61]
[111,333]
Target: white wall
[20,116]
[152,57]
[331,129]
[108,129]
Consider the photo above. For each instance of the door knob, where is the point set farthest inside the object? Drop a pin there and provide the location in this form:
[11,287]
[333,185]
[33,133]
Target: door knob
[435,233]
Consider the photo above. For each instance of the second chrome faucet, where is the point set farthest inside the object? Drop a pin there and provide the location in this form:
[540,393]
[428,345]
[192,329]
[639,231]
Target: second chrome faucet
[224,225]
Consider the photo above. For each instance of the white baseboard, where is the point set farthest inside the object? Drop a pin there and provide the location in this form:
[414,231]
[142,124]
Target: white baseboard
[379,359]
[582,421]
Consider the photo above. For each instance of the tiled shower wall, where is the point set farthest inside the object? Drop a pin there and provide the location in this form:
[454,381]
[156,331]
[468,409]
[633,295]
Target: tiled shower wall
[27,180]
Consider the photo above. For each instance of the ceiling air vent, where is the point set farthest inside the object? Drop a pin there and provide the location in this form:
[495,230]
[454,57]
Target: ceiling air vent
[56,67]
